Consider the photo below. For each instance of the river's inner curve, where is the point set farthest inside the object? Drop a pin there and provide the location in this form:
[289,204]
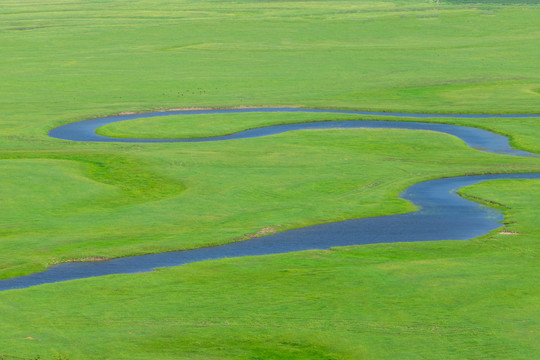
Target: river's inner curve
[443,215]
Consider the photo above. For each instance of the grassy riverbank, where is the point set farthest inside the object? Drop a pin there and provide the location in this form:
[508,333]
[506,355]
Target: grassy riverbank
[447,300]
[68,61]
[212,193]
[523,133]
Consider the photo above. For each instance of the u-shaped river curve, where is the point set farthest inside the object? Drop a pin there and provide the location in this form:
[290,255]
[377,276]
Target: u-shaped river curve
[443,214]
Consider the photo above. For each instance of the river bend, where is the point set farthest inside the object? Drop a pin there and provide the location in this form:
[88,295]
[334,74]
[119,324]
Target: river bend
[443,214]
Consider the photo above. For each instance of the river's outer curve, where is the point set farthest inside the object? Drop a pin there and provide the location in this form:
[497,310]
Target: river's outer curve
[443,214]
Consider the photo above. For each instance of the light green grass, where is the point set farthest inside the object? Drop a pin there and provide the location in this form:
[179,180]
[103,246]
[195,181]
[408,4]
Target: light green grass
[139,56]
[443,300]
[66,61]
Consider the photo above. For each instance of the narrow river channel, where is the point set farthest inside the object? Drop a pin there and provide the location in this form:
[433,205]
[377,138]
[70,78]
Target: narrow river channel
[443,214]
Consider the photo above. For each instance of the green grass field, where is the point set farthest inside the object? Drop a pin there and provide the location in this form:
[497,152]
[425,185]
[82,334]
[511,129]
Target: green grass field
[65,61]
[438,300]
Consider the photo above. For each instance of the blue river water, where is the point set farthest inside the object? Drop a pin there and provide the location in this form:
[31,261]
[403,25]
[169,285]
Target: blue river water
[476,138]
[442,214]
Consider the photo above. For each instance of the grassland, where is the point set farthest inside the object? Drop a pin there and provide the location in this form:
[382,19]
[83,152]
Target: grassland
[441,300]
[212,193]
[67,61]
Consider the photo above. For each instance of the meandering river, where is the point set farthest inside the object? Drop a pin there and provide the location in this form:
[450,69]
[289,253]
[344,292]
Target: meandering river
[443,214]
